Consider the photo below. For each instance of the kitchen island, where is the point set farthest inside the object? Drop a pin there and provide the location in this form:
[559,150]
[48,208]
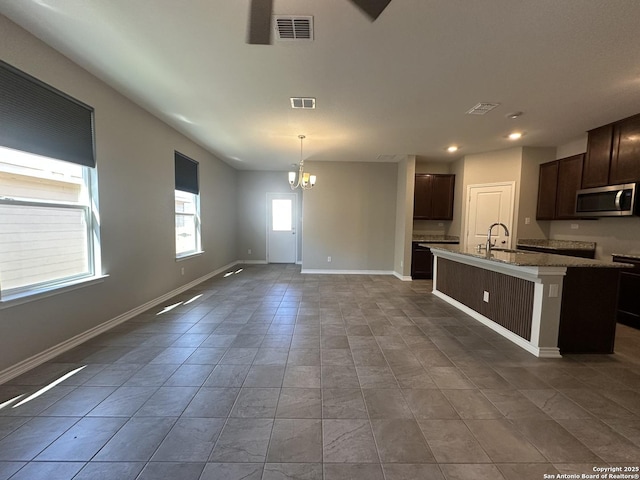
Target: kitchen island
[547,304]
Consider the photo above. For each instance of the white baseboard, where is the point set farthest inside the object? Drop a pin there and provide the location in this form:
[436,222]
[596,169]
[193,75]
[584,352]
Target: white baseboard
[50,353]
[404,278]
[346,272]
[542,352]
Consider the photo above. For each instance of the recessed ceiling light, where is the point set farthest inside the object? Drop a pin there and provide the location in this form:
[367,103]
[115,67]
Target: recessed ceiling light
[515,135]
[452,148]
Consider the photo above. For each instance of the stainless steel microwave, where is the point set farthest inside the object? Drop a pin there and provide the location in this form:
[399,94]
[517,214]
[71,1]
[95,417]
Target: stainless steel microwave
[611,201]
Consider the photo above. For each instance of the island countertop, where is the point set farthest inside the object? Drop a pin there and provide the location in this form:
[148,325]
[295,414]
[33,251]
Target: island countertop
[523,258]
[556,244]
[418,237]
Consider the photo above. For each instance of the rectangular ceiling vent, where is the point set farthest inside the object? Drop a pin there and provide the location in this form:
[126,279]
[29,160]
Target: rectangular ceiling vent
[482,108]
[303,102]
[294,27]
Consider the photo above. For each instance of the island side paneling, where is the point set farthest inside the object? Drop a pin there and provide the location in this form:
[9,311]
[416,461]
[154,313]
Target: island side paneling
[511,299]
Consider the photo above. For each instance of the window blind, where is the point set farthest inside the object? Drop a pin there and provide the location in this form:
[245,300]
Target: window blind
[186,174]
[37,118]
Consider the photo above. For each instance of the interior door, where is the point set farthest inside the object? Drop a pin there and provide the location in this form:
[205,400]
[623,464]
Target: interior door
[281,228]
[489,204]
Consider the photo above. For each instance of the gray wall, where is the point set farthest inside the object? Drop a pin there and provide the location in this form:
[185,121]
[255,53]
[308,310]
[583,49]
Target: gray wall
[404,217]
[455,227]
[351,216]
[531,160]
[519,165]
[136,188]
[253,187]
[481,168]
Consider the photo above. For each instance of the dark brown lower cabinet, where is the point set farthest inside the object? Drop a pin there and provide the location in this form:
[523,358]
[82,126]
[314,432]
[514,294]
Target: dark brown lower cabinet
[629,292]
[421,263]
[588,314]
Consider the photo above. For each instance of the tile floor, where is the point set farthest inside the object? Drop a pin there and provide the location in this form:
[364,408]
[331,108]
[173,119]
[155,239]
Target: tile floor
[270,374]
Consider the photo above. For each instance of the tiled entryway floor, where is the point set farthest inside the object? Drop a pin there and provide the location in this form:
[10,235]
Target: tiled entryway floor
[271,374]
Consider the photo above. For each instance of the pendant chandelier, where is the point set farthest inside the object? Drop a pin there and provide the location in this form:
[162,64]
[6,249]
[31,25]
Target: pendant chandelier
[305,181]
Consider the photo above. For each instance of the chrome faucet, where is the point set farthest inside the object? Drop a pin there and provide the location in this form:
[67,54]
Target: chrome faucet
[506,234]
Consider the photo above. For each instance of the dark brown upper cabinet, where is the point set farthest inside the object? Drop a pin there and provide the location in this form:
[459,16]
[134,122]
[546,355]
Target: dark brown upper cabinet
[569,182]
[625,155]
[613,154]
[558,183]
[547,191]
[433,196]
[598,157]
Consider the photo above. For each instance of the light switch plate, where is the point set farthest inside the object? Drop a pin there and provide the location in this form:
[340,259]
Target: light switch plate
[485,296]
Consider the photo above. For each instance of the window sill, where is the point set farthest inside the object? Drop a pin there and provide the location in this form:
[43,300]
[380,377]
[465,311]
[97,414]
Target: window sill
[186,256]
[9,301]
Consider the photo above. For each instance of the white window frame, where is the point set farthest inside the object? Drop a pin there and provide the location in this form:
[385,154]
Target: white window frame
[196,219]
[89,207]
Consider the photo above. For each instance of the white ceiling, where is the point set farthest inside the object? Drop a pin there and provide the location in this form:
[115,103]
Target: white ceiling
[400,85]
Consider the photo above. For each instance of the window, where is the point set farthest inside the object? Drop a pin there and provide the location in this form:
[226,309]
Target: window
[187,223]
[281,215]
[46,234]
[187,206]
[49,232]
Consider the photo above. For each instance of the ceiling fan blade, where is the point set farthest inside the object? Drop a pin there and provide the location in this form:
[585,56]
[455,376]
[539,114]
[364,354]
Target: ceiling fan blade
[260,22]
[373,8]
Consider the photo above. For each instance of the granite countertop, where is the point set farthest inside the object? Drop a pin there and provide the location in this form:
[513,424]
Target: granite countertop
[556,244]
[528,259]
[633,256]
[435,238]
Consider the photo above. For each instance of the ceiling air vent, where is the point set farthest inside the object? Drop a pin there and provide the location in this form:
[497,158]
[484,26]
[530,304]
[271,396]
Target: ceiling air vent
[303,102]
[482,108]
[294,27]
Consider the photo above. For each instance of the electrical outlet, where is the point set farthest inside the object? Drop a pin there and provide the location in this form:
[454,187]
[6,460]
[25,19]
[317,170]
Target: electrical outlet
[182,271]
[553,290]
[249,251]
[401,263]
[329,259]
[485,297]
[527,220]
[575,226]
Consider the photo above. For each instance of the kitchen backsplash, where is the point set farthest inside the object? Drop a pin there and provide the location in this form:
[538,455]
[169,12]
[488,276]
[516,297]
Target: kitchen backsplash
[431,227]
[612,235]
